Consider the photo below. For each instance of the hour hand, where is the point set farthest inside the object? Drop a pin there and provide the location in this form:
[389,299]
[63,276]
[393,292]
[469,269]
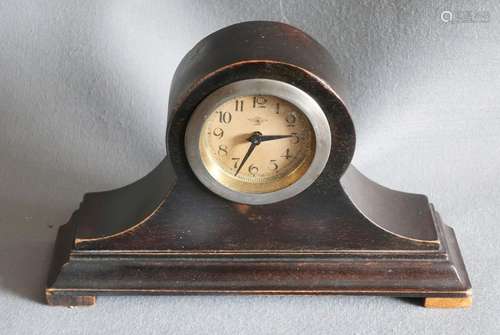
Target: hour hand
[249,152]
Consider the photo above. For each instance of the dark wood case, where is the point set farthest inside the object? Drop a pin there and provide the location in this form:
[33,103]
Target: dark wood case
[168,234]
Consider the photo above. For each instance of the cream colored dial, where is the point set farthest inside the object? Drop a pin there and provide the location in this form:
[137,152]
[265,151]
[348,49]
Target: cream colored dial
[256,143]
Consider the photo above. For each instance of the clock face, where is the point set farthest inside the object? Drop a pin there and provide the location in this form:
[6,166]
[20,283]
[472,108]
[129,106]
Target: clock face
[257,144]
[257,141]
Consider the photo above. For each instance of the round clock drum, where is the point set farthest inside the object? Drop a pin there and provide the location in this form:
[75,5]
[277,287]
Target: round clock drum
[254,110]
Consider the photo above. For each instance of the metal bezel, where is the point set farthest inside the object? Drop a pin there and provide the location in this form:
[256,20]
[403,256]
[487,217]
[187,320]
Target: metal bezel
[303,101]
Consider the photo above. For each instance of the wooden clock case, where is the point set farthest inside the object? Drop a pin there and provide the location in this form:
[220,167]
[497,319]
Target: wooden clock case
[168,234]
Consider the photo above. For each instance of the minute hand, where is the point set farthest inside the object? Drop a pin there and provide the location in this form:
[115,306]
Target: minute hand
[264,138]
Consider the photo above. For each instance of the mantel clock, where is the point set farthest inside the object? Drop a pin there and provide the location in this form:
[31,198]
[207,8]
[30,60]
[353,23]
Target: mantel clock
[256,194]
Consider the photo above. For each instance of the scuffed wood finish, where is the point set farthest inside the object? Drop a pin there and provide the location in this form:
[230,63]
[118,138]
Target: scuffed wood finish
[168,234]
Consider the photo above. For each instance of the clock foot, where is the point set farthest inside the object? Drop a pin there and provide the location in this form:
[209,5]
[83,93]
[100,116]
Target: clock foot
[55,299]
[434,302]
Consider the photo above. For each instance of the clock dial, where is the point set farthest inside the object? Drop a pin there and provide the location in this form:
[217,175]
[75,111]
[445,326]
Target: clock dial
[256,143]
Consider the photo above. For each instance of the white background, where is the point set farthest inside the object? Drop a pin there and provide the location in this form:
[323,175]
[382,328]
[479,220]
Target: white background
[83,99]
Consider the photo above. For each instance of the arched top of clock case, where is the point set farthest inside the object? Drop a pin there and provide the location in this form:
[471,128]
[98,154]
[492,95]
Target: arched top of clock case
[253,41]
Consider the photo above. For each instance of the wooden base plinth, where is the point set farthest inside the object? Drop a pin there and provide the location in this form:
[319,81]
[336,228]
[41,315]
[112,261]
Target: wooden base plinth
[439,278]
[233,249]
